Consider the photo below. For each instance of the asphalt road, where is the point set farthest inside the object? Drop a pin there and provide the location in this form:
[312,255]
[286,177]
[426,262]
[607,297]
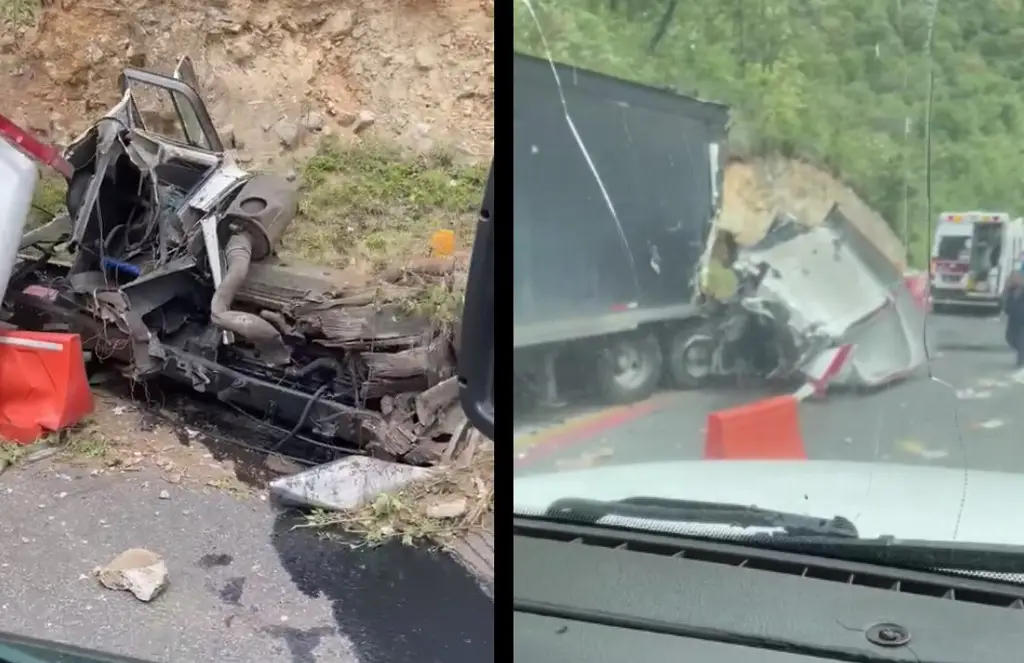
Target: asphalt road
[245,586]
[965,410]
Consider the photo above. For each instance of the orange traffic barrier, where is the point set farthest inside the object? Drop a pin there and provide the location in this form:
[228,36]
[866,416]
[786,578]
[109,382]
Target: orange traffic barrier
[919,289]
[43,386]
[764,430]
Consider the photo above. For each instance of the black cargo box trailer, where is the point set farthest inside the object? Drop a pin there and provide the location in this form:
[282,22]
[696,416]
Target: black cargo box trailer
[586,277]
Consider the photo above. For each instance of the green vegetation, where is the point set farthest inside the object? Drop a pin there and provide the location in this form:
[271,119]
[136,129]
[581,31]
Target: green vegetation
[19,13]
[371,204]
[843,84]
[48,198]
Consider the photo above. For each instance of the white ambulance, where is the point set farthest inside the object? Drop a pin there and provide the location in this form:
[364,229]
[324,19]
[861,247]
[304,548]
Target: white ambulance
[973,254]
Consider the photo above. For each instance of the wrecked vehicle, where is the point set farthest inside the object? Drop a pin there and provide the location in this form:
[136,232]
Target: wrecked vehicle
[820,305]
[173,272]
[602,307]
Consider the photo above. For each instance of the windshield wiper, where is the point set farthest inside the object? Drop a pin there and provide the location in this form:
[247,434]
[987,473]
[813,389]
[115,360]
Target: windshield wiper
[711,513]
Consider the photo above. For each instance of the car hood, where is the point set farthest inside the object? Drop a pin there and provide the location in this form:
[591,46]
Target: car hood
[904,501]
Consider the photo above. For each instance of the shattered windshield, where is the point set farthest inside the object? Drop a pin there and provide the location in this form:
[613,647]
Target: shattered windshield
[769,254]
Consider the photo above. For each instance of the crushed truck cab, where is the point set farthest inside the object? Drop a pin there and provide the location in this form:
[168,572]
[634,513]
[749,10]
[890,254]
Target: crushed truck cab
[172,271]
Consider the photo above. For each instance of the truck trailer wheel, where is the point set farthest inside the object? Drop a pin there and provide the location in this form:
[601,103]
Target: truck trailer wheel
[690,359]
[628,368]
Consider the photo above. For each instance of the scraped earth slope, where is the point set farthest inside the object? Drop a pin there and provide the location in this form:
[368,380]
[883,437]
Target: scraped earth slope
[419,71]
[755,190]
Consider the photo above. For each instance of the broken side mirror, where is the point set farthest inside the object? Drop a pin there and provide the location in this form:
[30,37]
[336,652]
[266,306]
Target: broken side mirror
[476,354]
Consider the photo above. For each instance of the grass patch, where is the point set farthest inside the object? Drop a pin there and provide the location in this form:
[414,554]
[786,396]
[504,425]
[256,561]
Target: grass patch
[371,204]
[20,13]
[48,198]
[413,515]
[84,441]
[440,302]
[11,454]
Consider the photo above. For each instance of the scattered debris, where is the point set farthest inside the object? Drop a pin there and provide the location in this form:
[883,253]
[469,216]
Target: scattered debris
[448,508]
[319,343]
[920,450]
[136,570]
[586,460]
[278,464]
[345,484]
[448,505]
[970,394]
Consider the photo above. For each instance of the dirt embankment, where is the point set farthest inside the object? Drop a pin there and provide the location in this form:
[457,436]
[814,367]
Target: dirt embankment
[755,190]
[419,71]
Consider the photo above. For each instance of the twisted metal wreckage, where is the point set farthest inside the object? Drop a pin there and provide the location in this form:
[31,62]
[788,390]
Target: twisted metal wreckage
[150,220]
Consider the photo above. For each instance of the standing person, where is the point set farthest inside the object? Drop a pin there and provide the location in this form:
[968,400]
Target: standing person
[1013,306]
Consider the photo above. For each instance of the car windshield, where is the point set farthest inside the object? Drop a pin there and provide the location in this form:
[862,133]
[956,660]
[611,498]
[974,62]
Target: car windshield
[727,223]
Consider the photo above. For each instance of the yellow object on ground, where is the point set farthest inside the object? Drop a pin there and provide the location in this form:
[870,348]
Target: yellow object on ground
[442,243]
[719,282]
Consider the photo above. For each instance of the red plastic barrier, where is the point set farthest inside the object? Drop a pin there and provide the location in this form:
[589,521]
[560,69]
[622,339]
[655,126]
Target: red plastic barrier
[917,284]
[764,430]
[42,152]
[43,386]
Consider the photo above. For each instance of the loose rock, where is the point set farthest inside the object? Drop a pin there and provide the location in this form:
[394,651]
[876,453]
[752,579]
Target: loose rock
[345,118]
[339,25]
[425,58]
[364,121]
[313,121]
[288,133]
[136,570]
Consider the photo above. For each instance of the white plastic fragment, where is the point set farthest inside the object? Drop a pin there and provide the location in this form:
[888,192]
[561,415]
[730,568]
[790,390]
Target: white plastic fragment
[345,484]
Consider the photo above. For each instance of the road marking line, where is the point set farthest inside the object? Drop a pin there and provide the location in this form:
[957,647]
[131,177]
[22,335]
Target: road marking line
[583,428]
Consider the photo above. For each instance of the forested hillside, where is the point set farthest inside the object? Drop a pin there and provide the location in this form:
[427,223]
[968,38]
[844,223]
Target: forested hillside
[841,83]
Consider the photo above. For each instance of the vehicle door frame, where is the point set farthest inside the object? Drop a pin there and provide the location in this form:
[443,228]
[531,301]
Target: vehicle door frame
[176,85]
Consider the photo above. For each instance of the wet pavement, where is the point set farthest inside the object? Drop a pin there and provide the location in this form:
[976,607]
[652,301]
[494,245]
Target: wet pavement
[245,585]
[964,411]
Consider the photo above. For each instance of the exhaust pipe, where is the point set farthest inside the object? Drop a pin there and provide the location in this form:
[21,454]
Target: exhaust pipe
[256,330]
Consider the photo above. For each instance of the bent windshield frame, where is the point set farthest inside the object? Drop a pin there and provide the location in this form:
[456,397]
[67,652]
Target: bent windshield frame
[192,114]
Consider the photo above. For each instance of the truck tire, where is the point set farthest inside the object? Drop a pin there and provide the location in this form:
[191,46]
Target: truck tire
[628,368]
[689,359]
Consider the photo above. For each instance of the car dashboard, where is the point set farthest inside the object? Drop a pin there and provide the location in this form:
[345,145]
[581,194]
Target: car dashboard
[585,593]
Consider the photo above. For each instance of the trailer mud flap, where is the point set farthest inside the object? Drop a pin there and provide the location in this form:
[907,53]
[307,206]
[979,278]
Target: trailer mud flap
[43,386]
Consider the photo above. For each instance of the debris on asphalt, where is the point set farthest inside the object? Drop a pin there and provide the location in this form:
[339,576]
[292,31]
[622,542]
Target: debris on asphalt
[918,449]
[586,460]
[970,394]
[449,505]
[345,484]
[446,509]
[136,570]
[278,464]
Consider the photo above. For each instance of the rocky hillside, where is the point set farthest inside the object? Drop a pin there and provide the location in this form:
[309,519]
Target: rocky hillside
[272,72]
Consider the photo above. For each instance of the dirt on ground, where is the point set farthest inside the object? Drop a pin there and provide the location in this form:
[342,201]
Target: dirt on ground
[419,72]
[756,190]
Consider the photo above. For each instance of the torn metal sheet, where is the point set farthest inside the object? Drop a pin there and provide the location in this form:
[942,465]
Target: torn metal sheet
[838,292]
